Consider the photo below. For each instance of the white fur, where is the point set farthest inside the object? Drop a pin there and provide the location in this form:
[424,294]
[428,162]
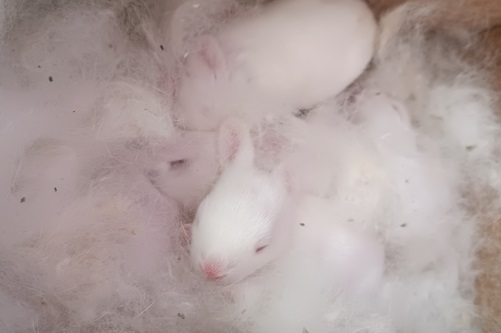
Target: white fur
[184,167]
[291,54]
[229,231]
[105,253]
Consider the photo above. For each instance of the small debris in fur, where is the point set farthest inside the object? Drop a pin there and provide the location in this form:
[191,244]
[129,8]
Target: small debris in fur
[110,253]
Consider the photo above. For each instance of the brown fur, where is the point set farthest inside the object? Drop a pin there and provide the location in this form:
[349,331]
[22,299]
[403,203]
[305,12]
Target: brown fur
[489,258]
[473,14]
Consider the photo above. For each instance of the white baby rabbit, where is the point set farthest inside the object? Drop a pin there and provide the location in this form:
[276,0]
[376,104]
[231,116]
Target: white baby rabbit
[237,228]
[185,166]
[252,218]
[292,55]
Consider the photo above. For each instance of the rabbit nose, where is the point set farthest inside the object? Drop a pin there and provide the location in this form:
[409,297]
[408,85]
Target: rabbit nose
[212,270]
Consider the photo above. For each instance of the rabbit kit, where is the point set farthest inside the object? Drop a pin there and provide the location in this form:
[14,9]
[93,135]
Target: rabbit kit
[228,166]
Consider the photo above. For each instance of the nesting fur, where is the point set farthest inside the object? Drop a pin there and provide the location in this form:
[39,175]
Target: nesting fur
[98,180]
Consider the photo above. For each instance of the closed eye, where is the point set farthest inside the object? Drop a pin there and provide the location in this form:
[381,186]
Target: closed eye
[178,164]
[261,248]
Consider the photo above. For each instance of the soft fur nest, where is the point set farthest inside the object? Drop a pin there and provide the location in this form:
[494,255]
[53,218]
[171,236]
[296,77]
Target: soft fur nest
[97,179]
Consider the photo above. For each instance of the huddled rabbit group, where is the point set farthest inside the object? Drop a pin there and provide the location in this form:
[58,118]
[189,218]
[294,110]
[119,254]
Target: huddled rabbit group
[230,166]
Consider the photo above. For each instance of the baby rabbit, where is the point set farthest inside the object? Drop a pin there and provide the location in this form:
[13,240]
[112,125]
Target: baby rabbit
[252,218]
[237,228]
[291,55]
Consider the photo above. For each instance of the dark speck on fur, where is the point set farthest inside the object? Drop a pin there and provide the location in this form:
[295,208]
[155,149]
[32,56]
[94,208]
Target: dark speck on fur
[178,163]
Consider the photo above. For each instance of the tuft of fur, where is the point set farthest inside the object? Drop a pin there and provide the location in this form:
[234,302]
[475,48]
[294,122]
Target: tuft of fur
[97,180]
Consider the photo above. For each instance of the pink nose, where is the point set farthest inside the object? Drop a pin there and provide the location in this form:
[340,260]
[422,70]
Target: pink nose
[212,270]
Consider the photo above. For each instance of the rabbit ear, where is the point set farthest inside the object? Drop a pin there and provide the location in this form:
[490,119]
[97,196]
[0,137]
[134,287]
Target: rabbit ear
[235,143]
[209,54]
